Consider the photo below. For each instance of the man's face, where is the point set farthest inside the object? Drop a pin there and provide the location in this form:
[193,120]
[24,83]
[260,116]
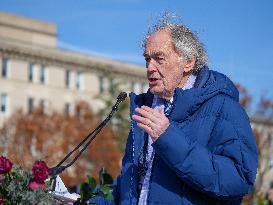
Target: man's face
[164,65]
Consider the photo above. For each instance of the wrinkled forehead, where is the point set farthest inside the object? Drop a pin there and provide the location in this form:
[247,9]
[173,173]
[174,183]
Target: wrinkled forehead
[160,41]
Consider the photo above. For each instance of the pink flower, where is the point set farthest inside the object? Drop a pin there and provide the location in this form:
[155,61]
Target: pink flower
[40,172]
[35,185]
[5,165]
[1,200]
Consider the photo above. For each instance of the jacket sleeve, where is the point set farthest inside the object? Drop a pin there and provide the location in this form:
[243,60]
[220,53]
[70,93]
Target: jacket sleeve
[116,187]
[99,200]
[126,160]
[226,171]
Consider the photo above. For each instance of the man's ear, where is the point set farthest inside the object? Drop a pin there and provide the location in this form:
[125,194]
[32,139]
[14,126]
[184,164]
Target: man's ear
[188,66]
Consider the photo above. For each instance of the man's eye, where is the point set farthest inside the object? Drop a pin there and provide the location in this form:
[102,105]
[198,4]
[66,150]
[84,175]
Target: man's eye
[147,59]
[160,59]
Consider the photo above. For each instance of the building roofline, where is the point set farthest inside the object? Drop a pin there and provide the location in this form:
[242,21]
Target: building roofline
[27,23]
[69,59]
[262,120]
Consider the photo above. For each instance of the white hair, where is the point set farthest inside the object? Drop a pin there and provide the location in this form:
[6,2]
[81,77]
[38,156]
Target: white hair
[186,42]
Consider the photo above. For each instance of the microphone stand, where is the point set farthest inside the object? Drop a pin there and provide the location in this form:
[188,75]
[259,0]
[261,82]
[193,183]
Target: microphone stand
[59,168]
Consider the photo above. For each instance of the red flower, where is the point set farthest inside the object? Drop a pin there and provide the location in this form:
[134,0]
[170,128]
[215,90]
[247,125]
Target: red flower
[40,172]
[5,165]
[35,185]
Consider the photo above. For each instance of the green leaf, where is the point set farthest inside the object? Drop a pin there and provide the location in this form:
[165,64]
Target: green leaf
[107,191]
[85,192]
[92,182]
[82,191]
[110,196]
[92,189]
[105,178]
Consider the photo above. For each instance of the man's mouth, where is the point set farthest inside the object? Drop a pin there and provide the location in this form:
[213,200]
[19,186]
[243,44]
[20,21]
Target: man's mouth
[153,80]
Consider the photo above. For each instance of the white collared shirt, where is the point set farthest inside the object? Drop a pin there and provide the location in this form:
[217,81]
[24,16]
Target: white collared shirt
[157,104]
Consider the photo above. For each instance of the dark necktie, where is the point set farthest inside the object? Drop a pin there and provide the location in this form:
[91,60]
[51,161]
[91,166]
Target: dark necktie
[143,164]
[167,108]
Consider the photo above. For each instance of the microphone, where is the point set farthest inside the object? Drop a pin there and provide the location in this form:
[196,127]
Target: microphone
[59,169]
[121,97]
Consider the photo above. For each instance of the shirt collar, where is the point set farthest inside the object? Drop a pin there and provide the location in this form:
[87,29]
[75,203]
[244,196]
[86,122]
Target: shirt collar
[189,84]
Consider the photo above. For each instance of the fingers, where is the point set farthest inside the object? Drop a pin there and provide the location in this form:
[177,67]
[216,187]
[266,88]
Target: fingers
[146,128]
[148,115]
[148,112]
[152,121]
[144,123]
[142,120]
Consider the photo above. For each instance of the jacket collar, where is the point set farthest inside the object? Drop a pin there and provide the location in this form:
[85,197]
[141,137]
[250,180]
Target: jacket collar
[202,77]
[202,80]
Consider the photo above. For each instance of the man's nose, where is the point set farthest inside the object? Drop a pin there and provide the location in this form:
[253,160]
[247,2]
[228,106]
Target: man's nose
[151,66]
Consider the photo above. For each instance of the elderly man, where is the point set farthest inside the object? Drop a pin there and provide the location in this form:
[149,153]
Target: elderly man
[190,141]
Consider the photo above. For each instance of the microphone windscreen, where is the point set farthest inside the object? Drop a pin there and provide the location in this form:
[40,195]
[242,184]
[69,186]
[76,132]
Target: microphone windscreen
[122,96]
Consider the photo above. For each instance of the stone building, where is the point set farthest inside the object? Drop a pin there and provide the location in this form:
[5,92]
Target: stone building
[34,71]
[264,127]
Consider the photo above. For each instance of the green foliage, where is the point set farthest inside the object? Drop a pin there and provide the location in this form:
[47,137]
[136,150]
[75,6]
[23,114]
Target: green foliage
[120,122]
[92,182]
[14,189]
[92,189]
[105,178]
[262,202]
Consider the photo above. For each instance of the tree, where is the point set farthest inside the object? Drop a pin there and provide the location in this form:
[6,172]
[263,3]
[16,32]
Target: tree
[120,122]
[263,111]
[245,98]
[265,108]
[25,138]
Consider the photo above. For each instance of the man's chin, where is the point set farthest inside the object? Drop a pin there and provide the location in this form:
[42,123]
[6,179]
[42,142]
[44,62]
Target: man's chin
[156,91]
[161,93]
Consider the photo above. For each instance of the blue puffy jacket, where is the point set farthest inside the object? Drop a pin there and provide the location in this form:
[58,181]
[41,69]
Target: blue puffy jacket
[207,156]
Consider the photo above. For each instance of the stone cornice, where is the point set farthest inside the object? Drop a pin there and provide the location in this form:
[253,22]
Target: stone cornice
[69,59]
[53,34]
[27,24]
[262,120]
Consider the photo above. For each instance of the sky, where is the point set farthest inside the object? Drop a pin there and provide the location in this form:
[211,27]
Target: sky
[238,34]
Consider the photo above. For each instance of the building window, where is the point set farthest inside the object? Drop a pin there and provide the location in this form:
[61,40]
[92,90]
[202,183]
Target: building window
[111,85]
[80,81]
[68,78]
[101,79]
[68,109]
[44,106]
[105,84]
[4,103]
[30,103]
[43,75]
[4,72]
[30,72]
